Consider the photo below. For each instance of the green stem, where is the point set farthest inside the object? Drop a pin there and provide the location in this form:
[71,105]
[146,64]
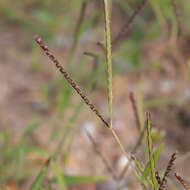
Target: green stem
[158,13]
[108,57]
[120,145]
[151,153]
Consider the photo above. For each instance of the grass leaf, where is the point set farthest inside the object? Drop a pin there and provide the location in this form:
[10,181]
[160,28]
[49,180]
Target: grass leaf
[81,179]
[36,184]
[151,153]
[146,171]
[59,177]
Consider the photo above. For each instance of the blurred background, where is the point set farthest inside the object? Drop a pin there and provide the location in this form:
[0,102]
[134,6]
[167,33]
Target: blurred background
[42,117]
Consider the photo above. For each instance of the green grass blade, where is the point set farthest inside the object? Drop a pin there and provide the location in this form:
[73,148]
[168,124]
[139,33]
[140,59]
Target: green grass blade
[108,57]
[151,153]
[59,177]
[29,129]
[77,32]
[138,164]
[36,184]
[35,149]
[146,171]
[61,144]
[63,97]
[158,13]
[158,102]
[41,188]
[67,152]
[140,105]
[81,179]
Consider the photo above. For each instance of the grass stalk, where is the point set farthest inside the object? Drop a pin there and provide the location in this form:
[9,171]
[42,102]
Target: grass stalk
[120,145]
[81,94]
[37,181]
[158,13]
[139,141]
[59,176]
[151,153]
[77,31]
[108,57]
[141,170]
[140,105]
[135,110]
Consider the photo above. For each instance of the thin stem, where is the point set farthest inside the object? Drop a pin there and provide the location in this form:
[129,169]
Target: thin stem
[123,150]
[37,181]
[77,31]
[151,156]
[78,90]
[158,13]
[108,57]
[135,110]
[125,169]
[120,145]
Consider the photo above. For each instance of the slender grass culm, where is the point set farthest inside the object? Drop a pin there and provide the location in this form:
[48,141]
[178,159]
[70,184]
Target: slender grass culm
[151,153]
[108,57]
[36,184]
[78,89]
[109,71]
[109,78]
[149,55]
[147,175]
[135,110]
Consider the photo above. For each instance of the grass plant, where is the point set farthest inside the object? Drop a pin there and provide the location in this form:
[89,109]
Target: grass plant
[146,172]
